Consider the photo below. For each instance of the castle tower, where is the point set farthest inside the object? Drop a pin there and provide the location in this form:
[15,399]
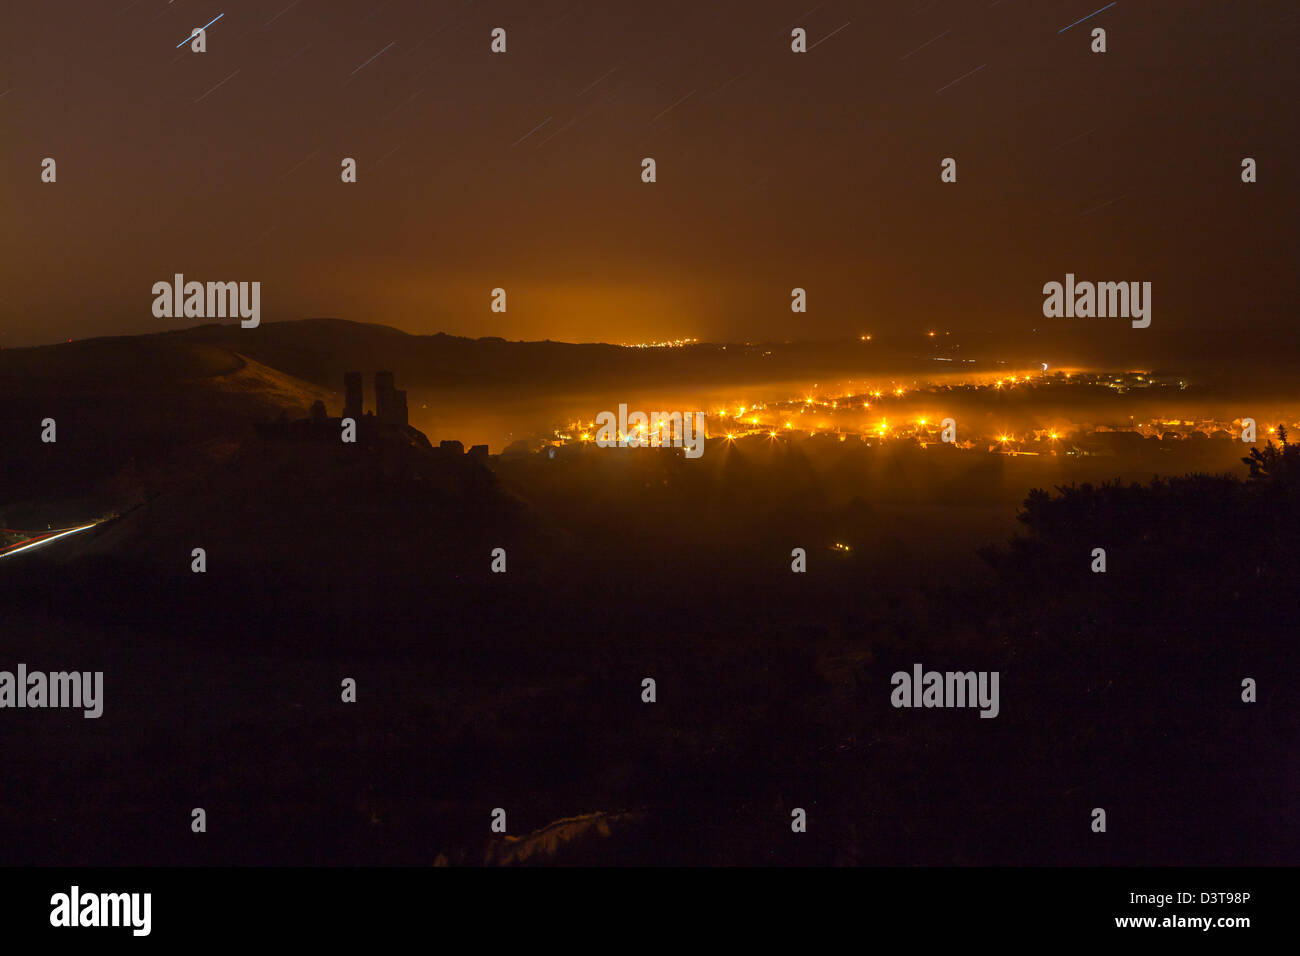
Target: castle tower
[352,403]
[383,396]
[390,403]
[397,407]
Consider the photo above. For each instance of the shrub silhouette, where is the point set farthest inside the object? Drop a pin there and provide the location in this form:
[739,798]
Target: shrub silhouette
[1194,551]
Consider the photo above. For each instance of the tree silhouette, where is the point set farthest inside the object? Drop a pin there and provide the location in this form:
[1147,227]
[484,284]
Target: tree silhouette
[1277,464]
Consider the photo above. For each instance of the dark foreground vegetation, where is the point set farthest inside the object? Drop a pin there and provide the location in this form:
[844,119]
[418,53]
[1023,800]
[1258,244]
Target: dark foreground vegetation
[1120,690]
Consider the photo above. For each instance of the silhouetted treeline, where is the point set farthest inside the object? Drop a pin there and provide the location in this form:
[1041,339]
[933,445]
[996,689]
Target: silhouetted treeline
[1202,551]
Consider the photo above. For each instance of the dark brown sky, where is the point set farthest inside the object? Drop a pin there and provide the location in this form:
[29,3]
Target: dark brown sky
[775,170]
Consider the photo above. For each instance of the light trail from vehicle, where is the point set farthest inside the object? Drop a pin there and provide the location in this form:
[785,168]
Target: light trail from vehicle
[37,542]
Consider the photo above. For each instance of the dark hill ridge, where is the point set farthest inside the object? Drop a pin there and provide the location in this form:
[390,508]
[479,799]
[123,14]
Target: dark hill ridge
[321,350]
[110,366]
[132,417]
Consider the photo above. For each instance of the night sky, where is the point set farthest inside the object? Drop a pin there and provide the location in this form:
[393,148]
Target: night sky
[522,170]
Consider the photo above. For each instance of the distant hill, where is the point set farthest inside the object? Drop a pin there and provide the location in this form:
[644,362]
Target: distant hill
[320,350]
